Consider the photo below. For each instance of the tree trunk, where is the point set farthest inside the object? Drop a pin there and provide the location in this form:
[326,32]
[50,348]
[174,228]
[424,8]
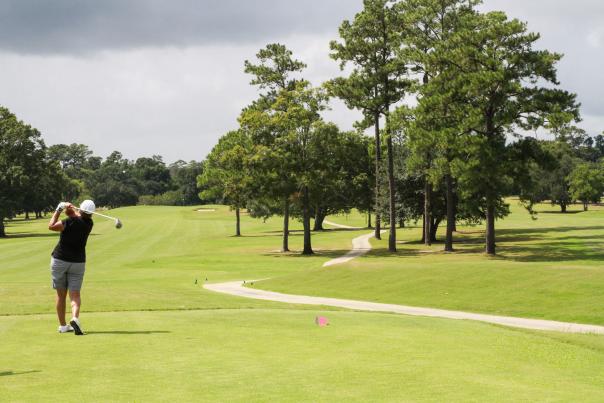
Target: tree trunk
[427,212]
[2,231]
[285,247]
[450,214]
[434,228]
[378,163]
[490,233]
[401,222]
[306,222]
[319,218]
[369,219]
[563,207]
[585,206]
[27,215]
[238,226]
[423,240]
[392,192]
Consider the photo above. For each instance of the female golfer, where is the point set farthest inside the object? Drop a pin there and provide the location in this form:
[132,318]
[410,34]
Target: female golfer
[68,260]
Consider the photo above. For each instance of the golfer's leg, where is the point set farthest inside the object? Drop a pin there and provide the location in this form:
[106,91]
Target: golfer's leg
[76,302]
[58,270]
[75,279]
[61,296]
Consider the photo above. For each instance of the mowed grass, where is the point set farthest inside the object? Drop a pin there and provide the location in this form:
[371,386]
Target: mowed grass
[155,335]
[550,268]
[154,261]
[279,355]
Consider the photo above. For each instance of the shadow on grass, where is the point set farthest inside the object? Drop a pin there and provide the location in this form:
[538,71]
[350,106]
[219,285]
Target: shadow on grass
[129,332]
[31,235]
[9,373]
[551,244]
[34,235]
[332,253]
[327,230]
[561,213]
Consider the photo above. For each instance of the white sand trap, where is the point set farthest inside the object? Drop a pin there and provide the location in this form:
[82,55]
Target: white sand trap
[206,210]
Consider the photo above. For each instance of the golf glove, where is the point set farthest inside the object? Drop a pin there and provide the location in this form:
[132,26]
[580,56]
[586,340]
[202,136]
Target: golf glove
[61,206]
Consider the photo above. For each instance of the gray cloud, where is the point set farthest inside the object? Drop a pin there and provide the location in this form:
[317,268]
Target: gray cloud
[166,77]
[575,29]
[83,26]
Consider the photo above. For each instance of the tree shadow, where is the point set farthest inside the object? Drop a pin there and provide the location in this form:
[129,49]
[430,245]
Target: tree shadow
[330,253]
[550,244]
[9,373]
[127,332]
[568,212]
[268,234]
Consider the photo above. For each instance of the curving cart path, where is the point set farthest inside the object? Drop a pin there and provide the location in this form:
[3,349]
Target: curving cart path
[236,288]
[361,246]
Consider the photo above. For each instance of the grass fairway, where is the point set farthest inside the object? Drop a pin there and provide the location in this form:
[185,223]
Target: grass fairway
[551,268]
[155,335]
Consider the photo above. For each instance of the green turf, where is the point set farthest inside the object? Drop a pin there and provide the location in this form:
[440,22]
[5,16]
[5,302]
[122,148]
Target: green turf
[155,335]
[153,262]
[277,355]
[550,268]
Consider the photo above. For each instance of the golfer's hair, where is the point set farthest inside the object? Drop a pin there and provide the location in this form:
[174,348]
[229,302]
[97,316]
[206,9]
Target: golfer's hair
[85,215]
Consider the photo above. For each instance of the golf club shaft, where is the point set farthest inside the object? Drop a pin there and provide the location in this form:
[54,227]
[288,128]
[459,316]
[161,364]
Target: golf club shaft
[102,215]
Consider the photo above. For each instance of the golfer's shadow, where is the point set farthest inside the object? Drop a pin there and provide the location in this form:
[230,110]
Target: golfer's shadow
[129,332]
[8,373]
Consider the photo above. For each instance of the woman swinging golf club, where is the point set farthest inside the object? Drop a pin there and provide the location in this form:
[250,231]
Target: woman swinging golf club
[68,261]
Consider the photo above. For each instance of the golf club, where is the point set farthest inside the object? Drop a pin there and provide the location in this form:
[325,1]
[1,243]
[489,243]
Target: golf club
[118,223]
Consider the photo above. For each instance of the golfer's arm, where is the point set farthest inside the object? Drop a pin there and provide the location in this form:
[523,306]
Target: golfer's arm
[55,224]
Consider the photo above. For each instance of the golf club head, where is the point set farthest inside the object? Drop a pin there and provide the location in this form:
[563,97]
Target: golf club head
[118,223]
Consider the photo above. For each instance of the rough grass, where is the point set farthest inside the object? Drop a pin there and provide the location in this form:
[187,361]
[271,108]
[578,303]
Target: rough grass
[155,335]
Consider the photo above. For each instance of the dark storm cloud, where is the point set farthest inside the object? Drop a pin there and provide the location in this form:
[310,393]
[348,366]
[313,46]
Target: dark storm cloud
[72,26]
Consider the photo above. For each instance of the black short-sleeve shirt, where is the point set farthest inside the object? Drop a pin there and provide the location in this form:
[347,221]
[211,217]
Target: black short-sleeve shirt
[72,244]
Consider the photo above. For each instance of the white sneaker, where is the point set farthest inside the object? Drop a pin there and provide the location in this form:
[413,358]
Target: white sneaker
[65,329]
[77,326]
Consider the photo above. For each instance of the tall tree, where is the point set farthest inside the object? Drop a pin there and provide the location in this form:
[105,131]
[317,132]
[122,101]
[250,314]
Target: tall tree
[113,184]
[152,175]
[225,174]
[502,80]
[371,43]
[587,183]
[297,115]
[552,182]
[184,178]
[436,136]
[21,153]
[274,71]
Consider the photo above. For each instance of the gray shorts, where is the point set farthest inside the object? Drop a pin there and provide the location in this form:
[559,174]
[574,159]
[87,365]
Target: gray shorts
[67,275]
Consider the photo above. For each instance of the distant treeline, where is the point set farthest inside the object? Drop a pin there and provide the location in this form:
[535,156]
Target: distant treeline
[35,177]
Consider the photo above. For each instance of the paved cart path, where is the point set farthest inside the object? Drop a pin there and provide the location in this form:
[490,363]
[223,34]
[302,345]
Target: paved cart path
[236,288]
[360,246]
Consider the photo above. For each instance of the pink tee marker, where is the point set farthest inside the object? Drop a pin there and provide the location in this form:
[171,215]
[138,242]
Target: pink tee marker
[321,321]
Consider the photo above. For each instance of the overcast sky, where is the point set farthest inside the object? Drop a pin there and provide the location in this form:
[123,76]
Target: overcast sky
[166,77]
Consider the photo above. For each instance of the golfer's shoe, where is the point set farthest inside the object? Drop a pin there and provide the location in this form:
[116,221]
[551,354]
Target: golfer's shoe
[77,326]
[65,329]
